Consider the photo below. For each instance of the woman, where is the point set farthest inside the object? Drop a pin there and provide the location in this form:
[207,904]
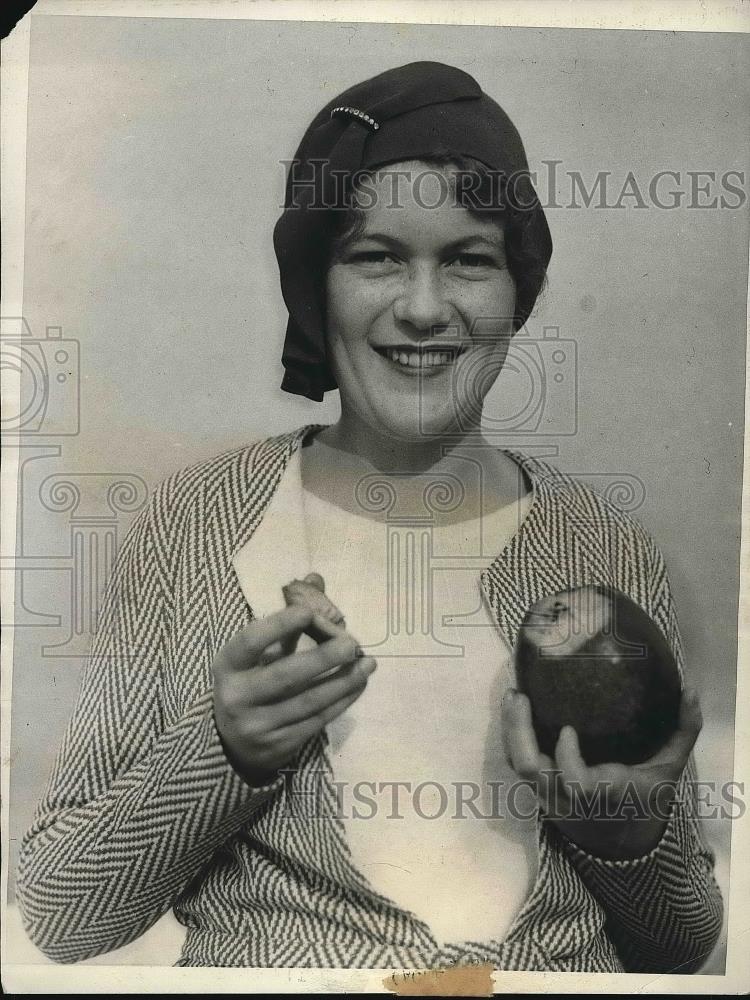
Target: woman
[217,756]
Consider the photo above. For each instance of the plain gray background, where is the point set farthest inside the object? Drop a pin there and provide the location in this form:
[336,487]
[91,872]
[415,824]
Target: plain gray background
[154,181]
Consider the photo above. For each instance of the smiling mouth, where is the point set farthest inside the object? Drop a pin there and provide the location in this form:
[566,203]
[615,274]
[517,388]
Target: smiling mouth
[422,357]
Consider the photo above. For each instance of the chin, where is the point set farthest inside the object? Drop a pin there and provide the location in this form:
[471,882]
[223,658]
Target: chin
[412,426]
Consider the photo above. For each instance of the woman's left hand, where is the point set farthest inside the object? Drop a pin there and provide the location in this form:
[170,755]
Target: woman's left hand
[615,811]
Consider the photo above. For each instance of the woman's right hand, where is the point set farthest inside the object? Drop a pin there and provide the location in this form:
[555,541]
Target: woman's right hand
[269,701]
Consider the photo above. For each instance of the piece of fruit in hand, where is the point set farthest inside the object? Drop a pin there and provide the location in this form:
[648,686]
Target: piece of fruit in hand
[592,658]
[308,593]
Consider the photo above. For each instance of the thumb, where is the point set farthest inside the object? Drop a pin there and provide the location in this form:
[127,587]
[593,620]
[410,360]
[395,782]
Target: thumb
[317,581]
[678,748]
[289,644]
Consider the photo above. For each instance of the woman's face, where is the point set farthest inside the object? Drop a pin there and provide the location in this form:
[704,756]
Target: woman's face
[420,309]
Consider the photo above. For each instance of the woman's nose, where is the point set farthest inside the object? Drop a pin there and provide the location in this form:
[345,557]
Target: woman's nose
[422,303]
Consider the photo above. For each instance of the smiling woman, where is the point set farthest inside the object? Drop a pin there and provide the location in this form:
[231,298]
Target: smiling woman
[411,294]
[217,730]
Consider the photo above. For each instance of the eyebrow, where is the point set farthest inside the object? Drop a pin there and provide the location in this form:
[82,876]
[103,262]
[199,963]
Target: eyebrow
[455,245]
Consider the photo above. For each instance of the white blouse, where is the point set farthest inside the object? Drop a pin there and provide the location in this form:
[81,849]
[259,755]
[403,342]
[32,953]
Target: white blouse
[442,844]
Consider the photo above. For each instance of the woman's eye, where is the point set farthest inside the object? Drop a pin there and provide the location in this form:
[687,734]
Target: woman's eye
[372,257]
[474,260]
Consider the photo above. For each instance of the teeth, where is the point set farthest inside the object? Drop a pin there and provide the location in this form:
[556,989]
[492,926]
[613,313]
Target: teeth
[416,359]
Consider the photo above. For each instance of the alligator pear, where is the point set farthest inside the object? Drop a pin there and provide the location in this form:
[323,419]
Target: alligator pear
[593,659]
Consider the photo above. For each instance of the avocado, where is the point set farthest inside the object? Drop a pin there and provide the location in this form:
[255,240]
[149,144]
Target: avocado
[593,659]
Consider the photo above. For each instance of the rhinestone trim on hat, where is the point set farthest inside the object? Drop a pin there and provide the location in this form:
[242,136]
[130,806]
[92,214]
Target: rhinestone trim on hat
[357,114]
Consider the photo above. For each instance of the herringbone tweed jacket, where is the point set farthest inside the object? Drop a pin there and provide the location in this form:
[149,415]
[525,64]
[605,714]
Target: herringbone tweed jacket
[143,811]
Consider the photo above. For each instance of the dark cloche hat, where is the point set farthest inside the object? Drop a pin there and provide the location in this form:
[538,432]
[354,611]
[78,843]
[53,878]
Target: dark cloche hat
[421,110]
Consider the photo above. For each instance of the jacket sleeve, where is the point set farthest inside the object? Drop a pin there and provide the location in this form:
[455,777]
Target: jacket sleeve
[134,807]
[664,910]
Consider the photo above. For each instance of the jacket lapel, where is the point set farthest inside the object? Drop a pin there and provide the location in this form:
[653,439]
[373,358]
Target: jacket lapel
[263,525]
[269,548]
[276,551]
[260,481]
[547,554]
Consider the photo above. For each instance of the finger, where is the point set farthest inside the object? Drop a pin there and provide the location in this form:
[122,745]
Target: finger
[314,702]
[288,677]
[305,593]
[523,748]
[679,746]
[506,722]
[299,732]
[509,719]
[317,581]
[275,652]
[572,773]
[568,757]
[691,716]
[322,628]
[287,647]
[246,646]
